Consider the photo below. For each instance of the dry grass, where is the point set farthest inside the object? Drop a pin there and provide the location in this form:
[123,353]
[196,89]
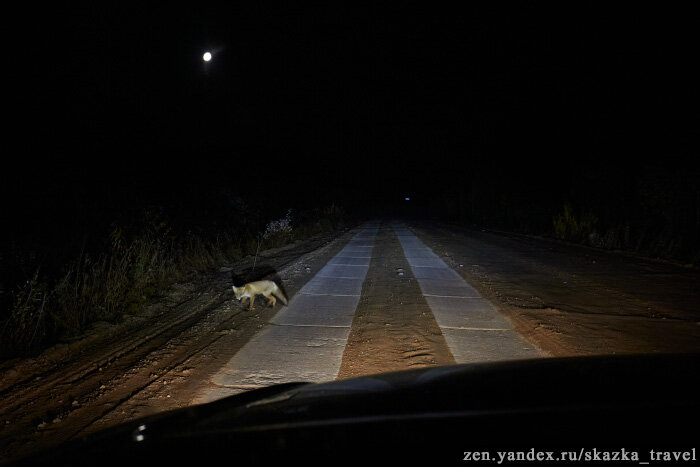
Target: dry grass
[125,278]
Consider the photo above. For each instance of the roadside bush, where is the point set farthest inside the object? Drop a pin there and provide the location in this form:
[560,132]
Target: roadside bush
[568,226]
[278,232]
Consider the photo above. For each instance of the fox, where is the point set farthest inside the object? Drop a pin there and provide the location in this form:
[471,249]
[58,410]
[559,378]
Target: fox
[268,289]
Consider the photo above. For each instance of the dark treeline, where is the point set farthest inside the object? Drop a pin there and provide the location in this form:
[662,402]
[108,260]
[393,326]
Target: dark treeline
[52,217]
[652,209]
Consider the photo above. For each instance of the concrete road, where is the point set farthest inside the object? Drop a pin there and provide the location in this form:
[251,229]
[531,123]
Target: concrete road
[403,296]
[385,302]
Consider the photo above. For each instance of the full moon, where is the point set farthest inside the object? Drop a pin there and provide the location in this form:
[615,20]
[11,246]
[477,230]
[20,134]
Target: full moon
[206,57]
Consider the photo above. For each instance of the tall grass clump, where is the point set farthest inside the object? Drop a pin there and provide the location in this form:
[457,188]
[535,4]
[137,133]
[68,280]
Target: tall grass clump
[570,226]
[91,288]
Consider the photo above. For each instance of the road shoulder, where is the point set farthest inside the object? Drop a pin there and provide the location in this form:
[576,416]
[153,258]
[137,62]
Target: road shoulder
[571,301]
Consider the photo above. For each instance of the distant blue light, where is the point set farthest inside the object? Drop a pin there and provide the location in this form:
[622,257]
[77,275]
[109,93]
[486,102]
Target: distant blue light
[407,198]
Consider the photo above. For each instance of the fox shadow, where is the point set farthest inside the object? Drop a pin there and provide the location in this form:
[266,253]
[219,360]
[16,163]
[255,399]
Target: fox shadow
[260,273]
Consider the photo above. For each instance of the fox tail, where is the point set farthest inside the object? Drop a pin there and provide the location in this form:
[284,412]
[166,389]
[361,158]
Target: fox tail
[277,292]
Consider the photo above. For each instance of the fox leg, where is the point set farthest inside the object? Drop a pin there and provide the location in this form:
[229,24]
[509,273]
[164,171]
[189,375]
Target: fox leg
[252,300]
[271,300]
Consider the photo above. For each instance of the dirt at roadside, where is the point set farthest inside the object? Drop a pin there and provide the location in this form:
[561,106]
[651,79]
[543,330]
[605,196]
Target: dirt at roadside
[571,300]
[149,363]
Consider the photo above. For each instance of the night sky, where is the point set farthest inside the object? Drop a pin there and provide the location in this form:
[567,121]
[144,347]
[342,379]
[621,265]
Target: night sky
[354,103]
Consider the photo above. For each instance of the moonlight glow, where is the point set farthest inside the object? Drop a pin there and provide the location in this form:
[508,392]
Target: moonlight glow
[206,57]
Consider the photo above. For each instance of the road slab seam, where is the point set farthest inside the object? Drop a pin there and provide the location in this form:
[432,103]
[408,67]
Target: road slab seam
[310,325]
[327,294]
[472,297]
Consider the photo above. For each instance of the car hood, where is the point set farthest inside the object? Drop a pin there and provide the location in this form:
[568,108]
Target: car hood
[648,385]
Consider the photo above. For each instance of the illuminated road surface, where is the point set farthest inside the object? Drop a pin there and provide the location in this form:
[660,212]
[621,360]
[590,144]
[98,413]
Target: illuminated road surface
[305,341]
[474,330]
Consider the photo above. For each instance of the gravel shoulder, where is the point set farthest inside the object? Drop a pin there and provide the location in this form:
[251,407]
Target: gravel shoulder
[572,300]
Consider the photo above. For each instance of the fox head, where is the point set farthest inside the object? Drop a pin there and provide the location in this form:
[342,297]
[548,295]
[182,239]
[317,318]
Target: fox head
[238,291]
